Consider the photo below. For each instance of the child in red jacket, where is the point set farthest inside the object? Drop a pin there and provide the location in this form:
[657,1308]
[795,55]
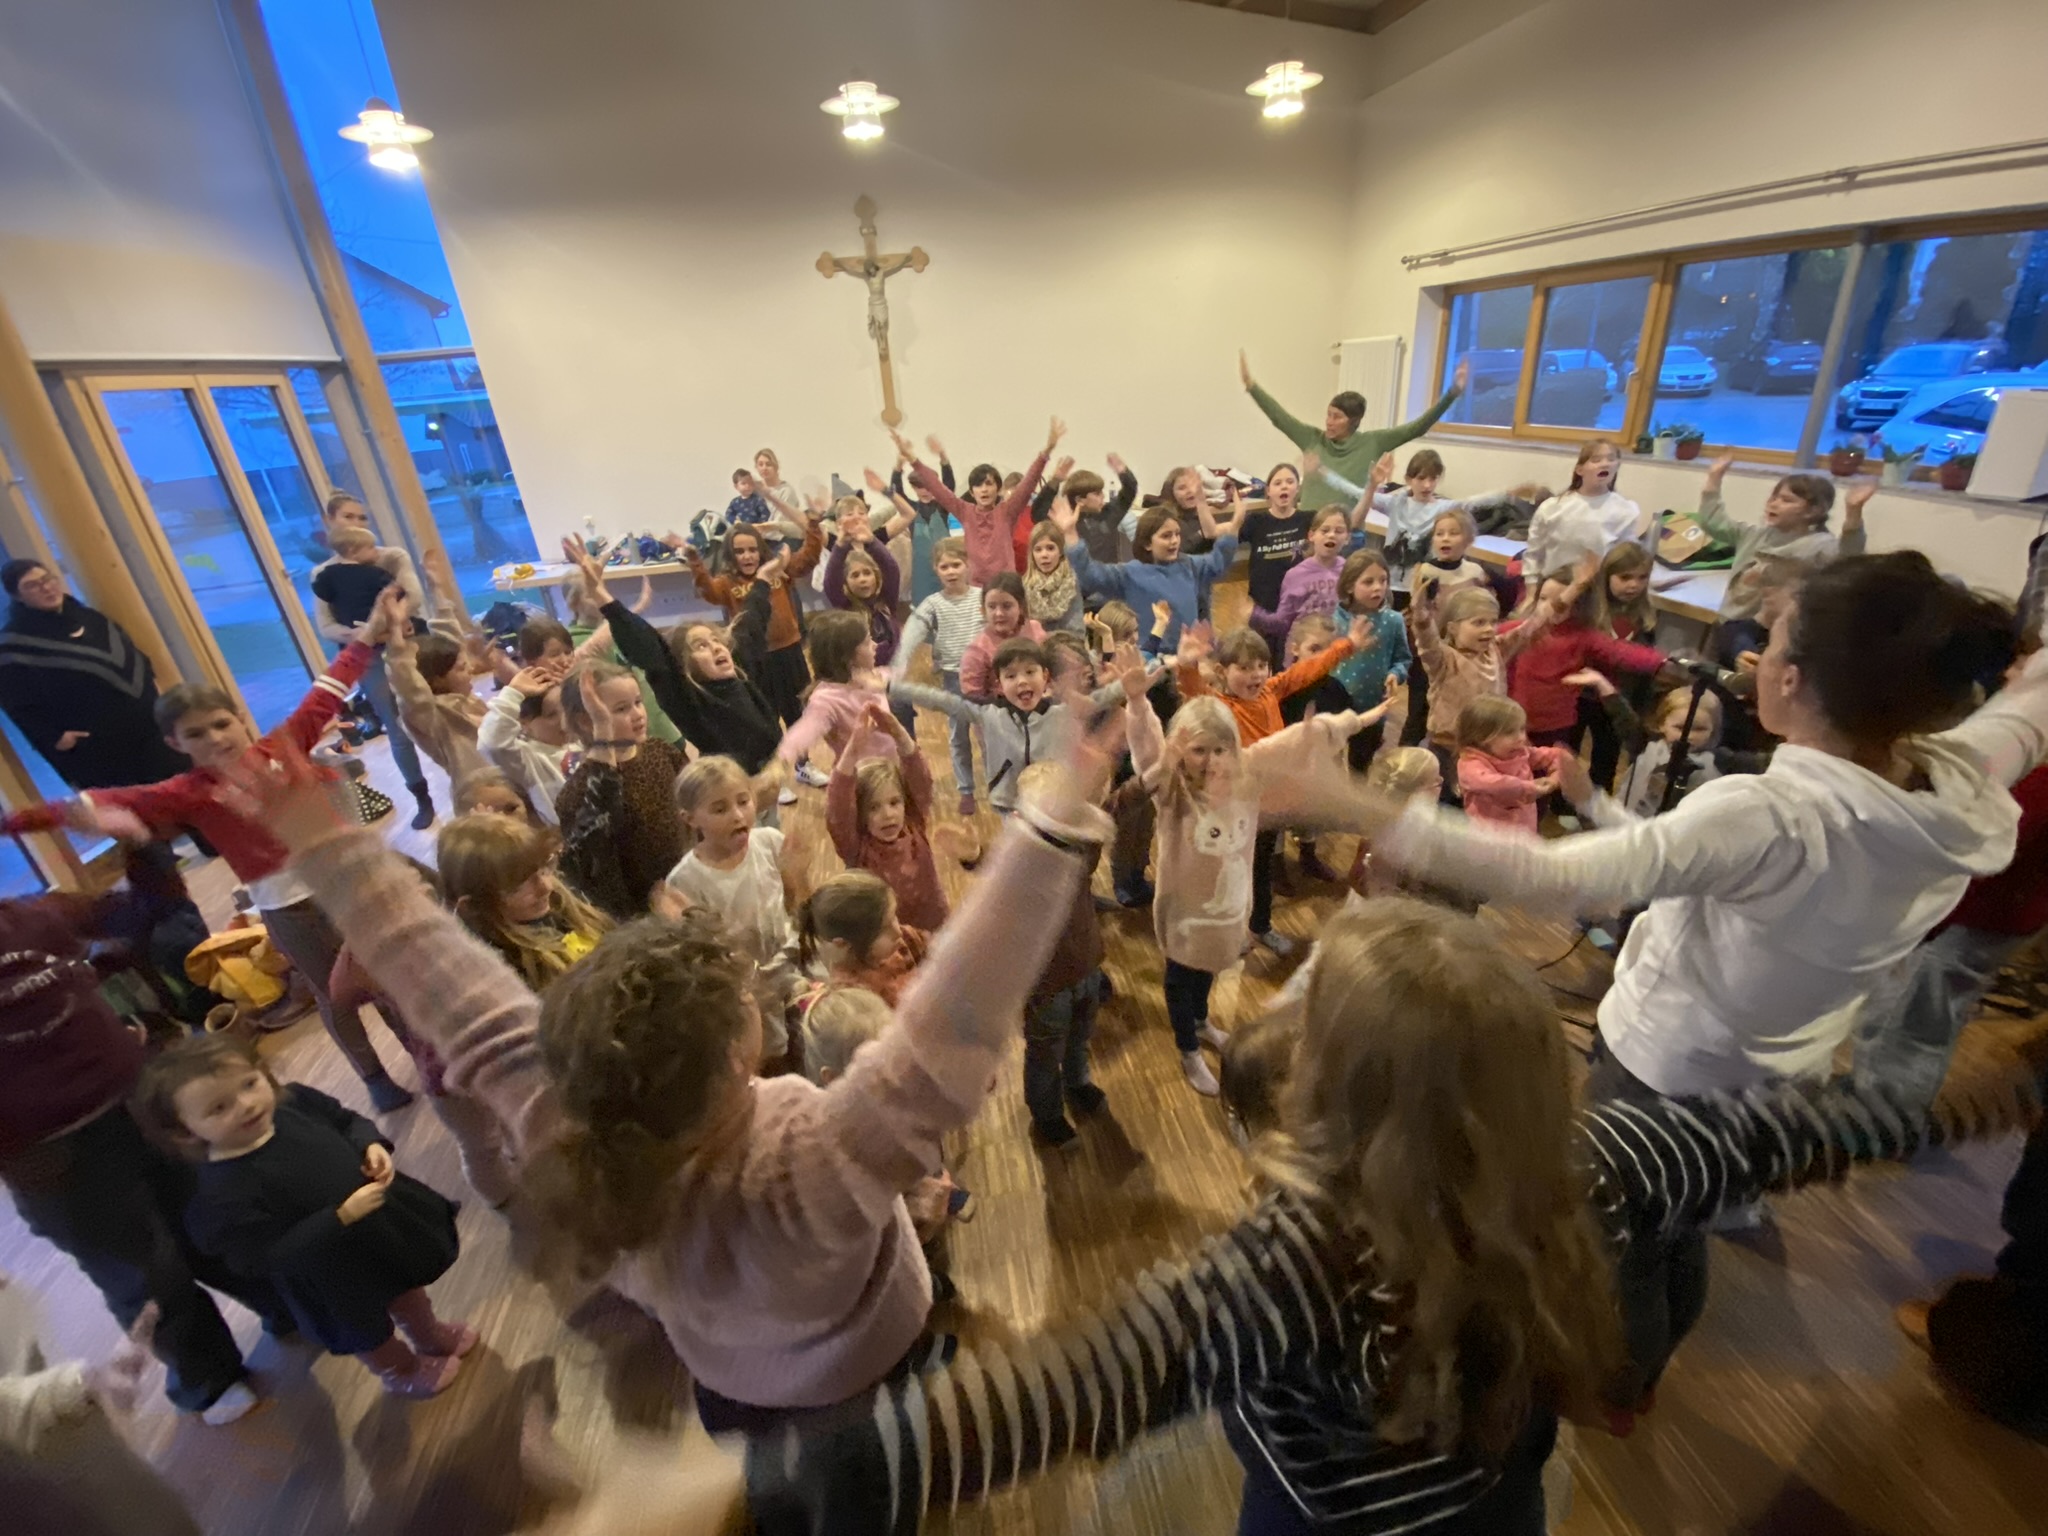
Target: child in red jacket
[206,724]
[1502,777]
[1536,680]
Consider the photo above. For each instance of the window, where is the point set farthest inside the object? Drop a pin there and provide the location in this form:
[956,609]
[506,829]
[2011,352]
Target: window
[453,435]
[331,56]
[1488,331]
[1744,346]
[1938,327]
[1591,332]
[1930,318]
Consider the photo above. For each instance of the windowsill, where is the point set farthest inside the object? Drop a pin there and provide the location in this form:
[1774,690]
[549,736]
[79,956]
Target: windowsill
[1915,490]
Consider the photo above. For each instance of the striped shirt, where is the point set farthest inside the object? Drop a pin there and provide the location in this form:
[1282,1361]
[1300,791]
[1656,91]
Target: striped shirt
[1282,1317]
[949,623]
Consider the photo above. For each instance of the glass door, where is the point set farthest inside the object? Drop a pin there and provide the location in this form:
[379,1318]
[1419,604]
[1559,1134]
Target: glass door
[258,428]
[191,486]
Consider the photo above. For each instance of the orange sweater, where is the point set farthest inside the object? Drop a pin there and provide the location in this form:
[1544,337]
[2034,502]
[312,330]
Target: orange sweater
[785,612]
[1259,716]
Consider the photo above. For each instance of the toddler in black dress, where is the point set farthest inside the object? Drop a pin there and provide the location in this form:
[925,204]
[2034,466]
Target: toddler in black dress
[300,1190]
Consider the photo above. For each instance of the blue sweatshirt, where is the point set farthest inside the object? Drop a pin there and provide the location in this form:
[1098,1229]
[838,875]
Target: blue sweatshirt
[1366,674]
[1182,586]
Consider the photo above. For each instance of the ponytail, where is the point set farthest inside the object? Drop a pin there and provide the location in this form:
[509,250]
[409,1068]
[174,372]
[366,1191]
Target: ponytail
[850,909]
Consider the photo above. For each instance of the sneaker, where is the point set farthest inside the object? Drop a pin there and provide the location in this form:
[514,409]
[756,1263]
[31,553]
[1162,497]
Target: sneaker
[810,777]
[943,1288]
[231,1405]
[1086,1099]
[453,1339]
[960,1203]
[1279,943]
[386,1094]
[967,806]
[787,797]
[1739,1220]
[1197,1072]
[1211,1036]
[1136,894]
[429,1377]
[1053,1133]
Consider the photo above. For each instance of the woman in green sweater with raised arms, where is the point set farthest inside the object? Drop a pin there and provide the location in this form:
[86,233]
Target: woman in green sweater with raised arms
[1339,443]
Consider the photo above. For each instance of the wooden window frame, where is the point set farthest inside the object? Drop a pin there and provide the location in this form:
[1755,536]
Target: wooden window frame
[1665,268]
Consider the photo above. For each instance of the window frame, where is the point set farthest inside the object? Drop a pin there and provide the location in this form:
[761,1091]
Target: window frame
[1665,269]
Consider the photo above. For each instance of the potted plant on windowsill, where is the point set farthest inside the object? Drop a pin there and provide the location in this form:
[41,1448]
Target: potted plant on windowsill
[1846,458]
[1956,472]
[1690,441]
[1666,444]
[1898,467]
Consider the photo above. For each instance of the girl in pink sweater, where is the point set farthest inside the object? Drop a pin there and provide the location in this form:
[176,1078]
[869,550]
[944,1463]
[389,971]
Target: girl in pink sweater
[1502,778]
[842,652]
[1003,609]
[760,1220]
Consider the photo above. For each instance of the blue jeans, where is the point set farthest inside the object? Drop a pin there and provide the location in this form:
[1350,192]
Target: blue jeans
[960,734]
[1056,1035]
[1910,1021]
[378,686]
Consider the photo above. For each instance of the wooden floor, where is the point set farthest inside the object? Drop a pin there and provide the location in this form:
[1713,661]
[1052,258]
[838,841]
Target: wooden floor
[1796,1407]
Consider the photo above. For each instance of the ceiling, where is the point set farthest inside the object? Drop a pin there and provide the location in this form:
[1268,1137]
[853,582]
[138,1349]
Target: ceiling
[1347,15]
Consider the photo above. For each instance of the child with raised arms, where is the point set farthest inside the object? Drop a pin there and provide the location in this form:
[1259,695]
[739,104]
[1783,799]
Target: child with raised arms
[878,813]
[619,830]
[1160,580]
[949,620]
[988,516]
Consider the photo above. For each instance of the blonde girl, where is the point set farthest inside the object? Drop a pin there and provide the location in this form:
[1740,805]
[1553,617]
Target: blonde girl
[492,790]
[1311,585]
[1005,615]
[498,874]
[1588,519]
[1465,650]
[848,928]
[862,577]
[744,877]
[618,828]
[1208,791]
[1052,595]
[1621,608]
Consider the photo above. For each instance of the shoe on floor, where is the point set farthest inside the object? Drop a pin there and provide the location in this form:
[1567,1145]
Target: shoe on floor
[943,1288]
[787,797]
[1137,894]
[429,1377]
[1279,943]
[386,1094]
[1911,1316]
[1053,1133]
[1313,868]
[1211,1036]
[454,1339]
[810,777]
[967,805]
[231,1405]
[1086,1099]
[960,1203]
[1197,1072]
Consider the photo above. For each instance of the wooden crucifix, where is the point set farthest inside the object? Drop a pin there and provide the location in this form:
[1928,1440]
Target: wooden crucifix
[875,270]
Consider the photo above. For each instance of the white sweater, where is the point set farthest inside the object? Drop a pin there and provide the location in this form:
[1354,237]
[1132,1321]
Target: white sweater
[1567,528]
[533,765]
[1774,899]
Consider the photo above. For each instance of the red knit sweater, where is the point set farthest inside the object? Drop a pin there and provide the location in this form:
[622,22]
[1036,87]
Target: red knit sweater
[2015,900]
[1535,680]
[188,799]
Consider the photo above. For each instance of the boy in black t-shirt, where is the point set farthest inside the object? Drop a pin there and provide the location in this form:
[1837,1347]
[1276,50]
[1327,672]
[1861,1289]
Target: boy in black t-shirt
[349,583]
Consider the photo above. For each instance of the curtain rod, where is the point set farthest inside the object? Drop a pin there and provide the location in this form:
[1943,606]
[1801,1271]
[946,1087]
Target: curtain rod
[1813,179]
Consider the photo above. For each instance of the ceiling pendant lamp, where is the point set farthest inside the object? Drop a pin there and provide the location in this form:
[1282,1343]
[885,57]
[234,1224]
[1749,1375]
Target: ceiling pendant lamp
[862,106]
[388,134]
[1282,85]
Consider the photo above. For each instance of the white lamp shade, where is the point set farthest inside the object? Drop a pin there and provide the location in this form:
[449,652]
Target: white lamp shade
[861,106]
[1282,86]
[388,134]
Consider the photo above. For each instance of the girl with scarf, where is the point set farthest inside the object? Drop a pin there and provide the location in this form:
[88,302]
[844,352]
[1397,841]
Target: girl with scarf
[1051,594]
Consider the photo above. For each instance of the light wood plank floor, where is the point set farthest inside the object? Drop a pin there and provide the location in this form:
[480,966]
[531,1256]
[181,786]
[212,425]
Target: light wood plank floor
[1796,1407]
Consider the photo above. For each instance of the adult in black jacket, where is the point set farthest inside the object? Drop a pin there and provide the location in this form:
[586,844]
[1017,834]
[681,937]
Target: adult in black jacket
[77,687]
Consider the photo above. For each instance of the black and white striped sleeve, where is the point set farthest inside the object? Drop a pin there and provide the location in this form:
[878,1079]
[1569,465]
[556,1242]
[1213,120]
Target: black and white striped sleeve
[1259,1300]
[1677,1163]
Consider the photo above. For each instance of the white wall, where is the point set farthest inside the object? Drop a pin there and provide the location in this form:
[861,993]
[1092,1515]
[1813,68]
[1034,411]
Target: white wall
[1575,108]
[138,215]
[632,196]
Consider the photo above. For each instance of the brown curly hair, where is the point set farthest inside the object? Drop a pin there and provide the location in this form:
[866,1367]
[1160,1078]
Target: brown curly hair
[638,1040]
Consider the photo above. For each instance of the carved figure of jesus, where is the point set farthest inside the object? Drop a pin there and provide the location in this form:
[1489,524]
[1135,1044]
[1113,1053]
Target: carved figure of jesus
[875,269]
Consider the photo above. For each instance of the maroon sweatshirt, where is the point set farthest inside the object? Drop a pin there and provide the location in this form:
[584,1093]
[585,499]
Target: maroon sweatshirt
[65,1056]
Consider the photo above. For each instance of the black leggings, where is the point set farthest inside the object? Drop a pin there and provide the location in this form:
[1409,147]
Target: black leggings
[786,676]
[1265,848]
[1187,1003]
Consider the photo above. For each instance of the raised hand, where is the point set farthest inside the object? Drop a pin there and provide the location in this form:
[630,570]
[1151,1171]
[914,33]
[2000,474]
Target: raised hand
[1382,471]
[1054,433]
[1360,634]
[1244,369]
[1855,499]
[956,842]
[1129,665]
[587,567]
[283,793]
[771,573]
[1462,376]
[1718,469]
[1089,761]
[1063,517]
[875,482]
[856,528]
[1196,642]
[601,716]
[389,616]
[1062,469]
[932,442]
[818,502]
[905,449]
[1117,466]
[1162,617]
